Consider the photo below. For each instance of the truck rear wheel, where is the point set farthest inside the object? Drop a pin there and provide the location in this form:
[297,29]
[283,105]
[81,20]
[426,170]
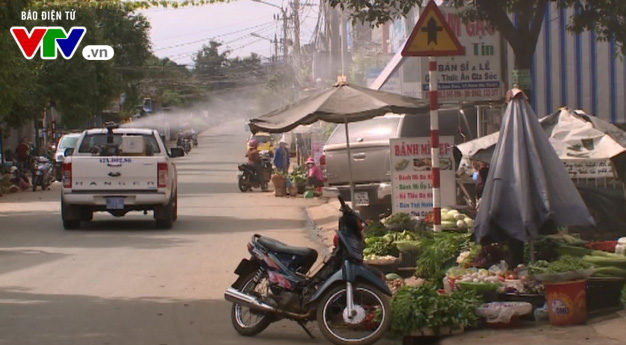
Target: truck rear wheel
[167,214]
[175,217]
[66,212]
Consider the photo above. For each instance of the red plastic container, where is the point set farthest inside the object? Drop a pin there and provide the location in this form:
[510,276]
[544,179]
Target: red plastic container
[567,302]
[607,246]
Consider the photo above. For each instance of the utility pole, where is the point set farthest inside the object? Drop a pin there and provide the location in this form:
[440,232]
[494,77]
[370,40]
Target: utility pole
[285,46]
[285,26]
[296,27]
[275,47]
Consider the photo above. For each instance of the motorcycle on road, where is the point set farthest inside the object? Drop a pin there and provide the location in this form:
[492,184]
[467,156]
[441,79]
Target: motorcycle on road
[43,173]
[350,302]
[247,176]
[184,144]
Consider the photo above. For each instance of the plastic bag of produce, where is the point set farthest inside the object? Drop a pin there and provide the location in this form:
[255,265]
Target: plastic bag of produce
[503,312]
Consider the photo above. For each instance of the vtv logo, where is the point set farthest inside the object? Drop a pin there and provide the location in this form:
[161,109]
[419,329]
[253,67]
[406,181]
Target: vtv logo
[48,38]
[51,38]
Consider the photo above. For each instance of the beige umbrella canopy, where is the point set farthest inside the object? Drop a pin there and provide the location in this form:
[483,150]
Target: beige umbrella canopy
[338,104]
[342,103]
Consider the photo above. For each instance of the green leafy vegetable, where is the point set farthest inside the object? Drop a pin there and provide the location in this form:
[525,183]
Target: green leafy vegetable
[379,246]
[566,263]
[438,252]
[375,229]
[398,218]
[413,308]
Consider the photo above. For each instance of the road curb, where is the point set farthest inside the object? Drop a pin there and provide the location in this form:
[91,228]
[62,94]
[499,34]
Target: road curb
[314,232]
[322,221]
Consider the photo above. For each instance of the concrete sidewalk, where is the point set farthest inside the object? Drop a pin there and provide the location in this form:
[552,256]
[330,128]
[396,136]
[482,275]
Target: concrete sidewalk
[599,330]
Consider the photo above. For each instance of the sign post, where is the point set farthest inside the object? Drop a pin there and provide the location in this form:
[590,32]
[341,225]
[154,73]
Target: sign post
[432,36]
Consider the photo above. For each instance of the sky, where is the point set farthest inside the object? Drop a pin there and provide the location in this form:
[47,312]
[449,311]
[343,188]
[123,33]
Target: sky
[180,33]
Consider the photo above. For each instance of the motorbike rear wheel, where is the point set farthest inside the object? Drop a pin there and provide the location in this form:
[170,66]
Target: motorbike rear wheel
[367,326]
[249,322]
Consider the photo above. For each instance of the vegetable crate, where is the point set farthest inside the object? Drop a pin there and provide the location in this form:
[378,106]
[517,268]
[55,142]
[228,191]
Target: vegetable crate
[408,259]
[604,293]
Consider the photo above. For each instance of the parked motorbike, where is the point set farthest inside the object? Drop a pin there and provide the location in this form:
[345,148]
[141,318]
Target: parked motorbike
[247,174]
[194,138]
[43,173]
[350,302]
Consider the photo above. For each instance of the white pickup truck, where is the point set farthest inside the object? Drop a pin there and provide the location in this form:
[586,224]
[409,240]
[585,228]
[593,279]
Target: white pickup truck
[118,170]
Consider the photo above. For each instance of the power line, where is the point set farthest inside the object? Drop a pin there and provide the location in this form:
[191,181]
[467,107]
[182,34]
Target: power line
[231,41]
[213,37]
[209,30]
[191,53]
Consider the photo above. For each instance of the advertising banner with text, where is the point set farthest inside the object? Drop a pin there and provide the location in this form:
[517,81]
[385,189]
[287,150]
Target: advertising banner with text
[411,174]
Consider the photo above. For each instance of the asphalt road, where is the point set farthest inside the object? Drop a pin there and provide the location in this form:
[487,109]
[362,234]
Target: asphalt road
[121,281]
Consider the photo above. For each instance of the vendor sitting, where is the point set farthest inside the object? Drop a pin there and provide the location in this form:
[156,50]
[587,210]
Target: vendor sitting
[315,178]
[19,179]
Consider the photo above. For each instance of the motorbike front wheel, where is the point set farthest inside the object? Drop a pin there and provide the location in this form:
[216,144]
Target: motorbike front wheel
[249,322]
[371,320]
[244,183]
[37,180]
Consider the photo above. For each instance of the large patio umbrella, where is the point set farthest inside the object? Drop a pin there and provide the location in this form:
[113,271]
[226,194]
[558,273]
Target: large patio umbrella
[527,185]
[342,103]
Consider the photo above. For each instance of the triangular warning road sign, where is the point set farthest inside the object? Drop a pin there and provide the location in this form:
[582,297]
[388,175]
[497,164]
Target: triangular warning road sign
[432,36]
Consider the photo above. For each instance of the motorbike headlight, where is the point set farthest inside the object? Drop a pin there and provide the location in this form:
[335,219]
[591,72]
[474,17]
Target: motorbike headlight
[60,158]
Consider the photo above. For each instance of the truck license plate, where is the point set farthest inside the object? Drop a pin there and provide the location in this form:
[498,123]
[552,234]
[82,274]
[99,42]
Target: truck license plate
[115,203]
[361,199]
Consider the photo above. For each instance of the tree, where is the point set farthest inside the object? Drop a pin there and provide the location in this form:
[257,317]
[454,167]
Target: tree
[216,70]
[606,17]
[82,88]
[210,63]
[20,96]
[170,83]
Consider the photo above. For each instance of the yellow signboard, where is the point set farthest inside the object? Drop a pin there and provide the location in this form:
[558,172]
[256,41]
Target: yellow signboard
[432,36]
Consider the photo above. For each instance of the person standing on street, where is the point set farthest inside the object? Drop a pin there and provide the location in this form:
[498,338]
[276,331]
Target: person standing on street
[281,157]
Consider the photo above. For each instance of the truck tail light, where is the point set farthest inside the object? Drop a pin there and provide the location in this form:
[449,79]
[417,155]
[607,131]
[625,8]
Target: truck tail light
[323,167]
[162,175]
[67,175]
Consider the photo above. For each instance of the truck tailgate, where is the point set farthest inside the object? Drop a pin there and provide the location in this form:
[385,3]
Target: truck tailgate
[370,163]
[114,174]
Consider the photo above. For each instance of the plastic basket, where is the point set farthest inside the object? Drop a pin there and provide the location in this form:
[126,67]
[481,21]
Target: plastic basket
[604,293]
[384,266]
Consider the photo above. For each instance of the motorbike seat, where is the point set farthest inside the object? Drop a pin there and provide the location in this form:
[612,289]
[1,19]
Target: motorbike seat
[279,247]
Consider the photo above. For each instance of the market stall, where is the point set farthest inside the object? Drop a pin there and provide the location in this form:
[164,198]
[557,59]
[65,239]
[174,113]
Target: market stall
[506,279]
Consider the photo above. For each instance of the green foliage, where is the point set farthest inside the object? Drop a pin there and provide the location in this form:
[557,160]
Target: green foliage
[438,252]
[413,308]
[78,87]
[299,174]
[605,17]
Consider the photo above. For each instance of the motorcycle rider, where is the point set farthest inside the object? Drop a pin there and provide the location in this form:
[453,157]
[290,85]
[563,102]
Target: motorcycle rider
[254,160]
[179,138]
